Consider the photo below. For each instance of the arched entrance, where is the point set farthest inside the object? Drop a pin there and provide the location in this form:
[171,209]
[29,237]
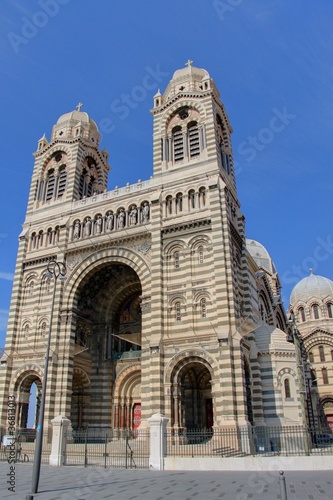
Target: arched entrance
[327,405]
[80,398]
[107,335]
[127,399]
[28,390]
[192,402]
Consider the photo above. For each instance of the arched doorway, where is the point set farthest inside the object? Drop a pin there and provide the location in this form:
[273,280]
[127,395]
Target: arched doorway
[327,405]
[80,399]
[28,389]
[127,399]
[192,402]
[107,335]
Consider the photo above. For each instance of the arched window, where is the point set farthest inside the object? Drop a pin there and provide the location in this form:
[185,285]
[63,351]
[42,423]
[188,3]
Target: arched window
[82,183]
[50,185]
[178,144]
[43,329]
[191,199]
[301,314]
[279,321]
[62,181]
[26,331]
[311,357]
[178,311]
[325,376]
[179,202]
[168,204]
[193,139]
[287,391]
[201,255]
[315,310]
[49,236]
[202,197]
[176,260]
[203,307]
[40,239]
[329,310]
[321,353]
[47,285]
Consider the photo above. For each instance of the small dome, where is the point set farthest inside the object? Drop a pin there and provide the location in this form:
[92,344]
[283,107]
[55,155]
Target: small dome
[260,255]
[76,123]
[79,116]
[189,79]
[190,71]
[311,287]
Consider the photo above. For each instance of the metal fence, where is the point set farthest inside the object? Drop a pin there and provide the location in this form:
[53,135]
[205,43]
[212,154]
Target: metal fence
[244,441]
[130,449]
[21,447]
[105,448]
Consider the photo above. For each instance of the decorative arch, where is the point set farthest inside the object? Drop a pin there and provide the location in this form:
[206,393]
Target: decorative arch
[120,255]
[123,378]
[182,358]
[190,378]
[127,398]
[176,106]
[22,373]
[173,246]
[285,372]
[52,153]
[197,241]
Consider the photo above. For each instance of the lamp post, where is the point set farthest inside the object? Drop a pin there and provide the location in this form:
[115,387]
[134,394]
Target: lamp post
[55,270]
[297,340]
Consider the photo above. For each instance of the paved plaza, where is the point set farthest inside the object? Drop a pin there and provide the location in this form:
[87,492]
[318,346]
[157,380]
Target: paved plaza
[67,483]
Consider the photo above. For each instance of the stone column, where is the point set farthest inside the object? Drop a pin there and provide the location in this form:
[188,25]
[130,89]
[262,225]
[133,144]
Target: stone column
[158,441]
[59,440]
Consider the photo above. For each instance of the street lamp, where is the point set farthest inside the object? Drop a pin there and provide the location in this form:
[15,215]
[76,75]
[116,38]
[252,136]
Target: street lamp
[55,270]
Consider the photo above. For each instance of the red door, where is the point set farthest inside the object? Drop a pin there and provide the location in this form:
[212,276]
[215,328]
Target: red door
[136,418]
[330,421]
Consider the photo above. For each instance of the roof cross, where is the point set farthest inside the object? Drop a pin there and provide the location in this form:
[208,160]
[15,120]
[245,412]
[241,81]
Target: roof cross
[79,106]
[189,63]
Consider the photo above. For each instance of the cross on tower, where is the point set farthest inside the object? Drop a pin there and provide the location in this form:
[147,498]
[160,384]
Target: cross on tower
[189,63]
[79,106]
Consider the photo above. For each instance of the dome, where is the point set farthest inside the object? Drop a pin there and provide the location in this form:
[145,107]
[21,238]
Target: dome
[76,123]
[189,79]
[260,255]
[78,116]
[311,287]
[190,72]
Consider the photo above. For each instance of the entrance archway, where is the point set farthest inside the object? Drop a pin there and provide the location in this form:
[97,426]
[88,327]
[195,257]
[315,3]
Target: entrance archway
[107,333]
[327,405]
[28,389]
[192,402]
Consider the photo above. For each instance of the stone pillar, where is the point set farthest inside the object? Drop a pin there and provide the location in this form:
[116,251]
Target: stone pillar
[59,440]
[158,441]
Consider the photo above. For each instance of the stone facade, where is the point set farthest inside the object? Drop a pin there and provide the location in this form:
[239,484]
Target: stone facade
[311,302]
[166,309]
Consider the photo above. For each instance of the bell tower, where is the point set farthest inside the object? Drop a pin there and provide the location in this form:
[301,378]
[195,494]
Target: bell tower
[191,128]
[71,166]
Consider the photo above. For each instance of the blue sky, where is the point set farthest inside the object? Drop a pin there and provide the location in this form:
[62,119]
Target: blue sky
[271,60]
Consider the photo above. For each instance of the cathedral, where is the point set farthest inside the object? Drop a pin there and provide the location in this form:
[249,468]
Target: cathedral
[166,307]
